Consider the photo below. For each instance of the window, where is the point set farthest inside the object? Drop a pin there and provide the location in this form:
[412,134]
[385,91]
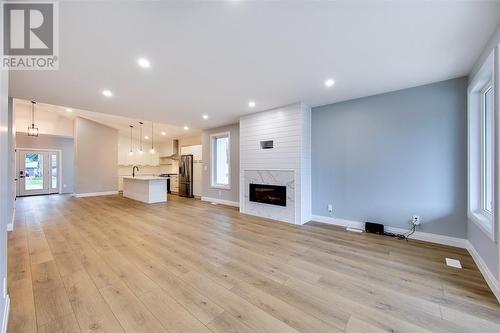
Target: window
[487,148]
[220,160]
[482,178]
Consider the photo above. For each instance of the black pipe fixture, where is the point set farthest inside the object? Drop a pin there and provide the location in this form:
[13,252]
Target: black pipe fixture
[32,130]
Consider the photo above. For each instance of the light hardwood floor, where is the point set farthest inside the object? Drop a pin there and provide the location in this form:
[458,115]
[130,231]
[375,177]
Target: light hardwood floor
[110,264]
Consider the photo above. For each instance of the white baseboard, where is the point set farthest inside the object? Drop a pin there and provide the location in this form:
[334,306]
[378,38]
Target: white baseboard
[10,226]
[221,201]
[339,222]
[5,319]
[418,235]
[94,194]
[492,282]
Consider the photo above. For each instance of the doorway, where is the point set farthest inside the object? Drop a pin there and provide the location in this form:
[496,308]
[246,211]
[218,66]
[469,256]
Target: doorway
[38,171]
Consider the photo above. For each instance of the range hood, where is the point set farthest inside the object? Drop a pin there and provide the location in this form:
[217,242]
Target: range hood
[175,150]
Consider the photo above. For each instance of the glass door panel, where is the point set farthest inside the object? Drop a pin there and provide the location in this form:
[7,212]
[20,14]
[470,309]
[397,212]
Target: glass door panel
[54,172]
[53,168]
[38,172]
[33,171]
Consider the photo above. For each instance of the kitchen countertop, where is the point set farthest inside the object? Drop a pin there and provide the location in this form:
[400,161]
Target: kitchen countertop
[145,178]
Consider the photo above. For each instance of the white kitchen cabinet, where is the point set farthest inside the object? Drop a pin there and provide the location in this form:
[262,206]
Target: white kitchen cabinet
[166,148]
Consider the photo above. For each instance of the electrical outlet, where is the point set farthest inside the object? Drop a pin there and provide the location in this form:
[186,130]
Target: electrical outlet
[330,208]
[415,219]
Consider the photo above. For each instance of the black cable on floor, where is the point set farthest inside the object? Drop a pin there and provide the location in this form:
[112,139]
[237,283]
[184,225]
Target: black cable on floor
[402,236]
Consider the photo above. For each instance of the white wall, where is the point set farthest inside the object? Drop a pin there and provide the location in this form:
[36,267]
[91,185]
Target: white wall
[209,193]
[6,200]
[289,127]
[48,122]
[190,141]
[487,251]
[12,186]
[96,157]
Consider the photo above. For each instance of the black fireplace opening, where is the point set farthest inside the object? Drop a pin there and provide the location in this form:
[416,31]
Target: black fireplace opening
[268,194]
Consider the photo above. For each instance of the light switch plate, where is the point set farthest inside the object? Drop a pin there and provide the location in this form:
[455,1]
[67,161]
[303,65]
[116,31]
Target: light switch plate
[453,263]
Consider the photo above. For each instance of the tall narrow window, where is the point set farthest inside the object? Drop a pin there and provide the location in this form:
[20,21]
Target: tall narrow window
[487,148]
[220,160]
[482,178]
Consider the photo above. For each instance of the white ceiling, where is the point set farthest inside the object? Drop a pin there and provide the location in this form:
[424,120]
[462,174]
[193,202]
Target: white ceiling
[213,57]
[53,119]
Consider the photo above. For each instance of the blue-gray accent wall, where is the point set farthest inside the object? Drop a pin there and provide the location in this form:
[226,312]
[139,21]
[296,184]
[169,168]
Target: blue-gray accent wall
[386,157]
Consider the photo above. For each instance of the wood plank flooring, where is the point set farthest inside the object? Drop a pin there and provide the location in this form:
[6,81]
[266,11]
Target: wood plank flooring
[110,264]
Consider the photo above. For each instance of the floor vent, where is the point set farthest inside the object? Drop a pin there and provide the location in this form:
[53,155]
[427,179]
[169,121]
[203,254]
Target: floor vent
[453,263]
[353,230]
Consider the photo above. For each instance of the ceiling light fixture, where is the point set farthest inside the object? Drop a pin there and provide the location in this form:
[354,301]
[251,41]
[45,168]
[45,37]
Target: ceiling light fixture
[329,83]
[140,137]
[163,133]
[251,104]
[186,128]
[107,93]
[205,116]
[32,130]
[152,151]
[131,152]
[146,137]
[143,62]
[69,110]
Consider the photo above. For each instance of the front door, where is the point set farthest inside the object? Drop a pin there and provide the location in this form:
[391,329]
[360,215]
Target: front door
[38,172]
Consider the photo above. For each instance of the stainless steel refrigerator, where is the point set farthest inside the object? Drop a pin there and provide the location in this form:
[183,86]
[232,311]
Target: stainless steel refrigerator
[186,176]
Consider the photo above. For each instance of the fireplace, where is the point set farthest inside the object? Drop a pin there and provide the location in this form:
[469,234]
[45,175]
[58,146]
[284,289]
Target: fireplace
[268,194]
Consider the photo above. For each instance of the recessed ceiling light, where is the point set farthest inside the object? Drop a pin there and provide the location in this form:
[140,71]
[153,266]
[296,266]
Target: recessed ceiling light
[163,133]
[186,128]
[69,110]
[143,62]
[251,104]
[329,83]
[107,93]
[146,137]
[205,116]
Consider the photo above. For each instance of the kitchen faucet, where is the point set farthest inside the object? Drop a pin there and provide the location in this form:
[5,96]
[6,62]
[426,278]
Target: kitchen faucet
[133,170]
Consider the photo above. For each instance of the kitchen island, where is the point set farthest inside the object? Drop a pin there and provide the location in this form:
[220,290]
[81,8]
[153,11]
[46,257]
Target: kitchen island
[148,189]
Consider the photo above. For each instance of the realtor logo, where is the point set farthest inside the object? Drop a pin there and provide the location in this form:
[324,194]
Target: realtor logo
[30,35]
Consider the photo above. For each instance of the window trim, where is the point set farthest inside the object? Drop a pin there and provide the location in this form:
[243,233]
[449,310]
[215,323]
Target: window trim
[213,138]
[487,222]
[482,95]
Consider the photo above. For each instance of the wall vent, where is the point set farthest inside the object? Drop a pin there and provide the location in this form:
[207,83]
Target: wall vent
[268,144]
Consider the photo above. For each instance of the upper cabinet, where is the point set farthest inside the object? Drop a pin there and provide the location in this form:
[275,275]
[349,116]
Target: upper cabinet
[166,148]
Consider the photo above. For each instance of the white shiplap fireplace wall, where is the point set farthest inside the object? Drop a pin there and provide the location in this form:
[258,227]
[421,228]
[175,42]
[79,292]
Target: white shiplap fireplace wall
[287,164]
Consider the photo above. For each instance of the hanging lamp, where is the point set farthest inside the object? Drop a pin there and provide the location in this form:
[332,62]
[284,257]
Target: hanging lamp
[140,138]
[152,151]
[131,152]
[32,130]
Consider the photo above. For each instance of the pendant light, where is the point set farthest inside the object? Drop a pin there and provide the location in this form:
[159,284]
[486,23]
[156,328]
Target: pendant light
[152,151]
[131,152]
[140,138]
[32,130]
